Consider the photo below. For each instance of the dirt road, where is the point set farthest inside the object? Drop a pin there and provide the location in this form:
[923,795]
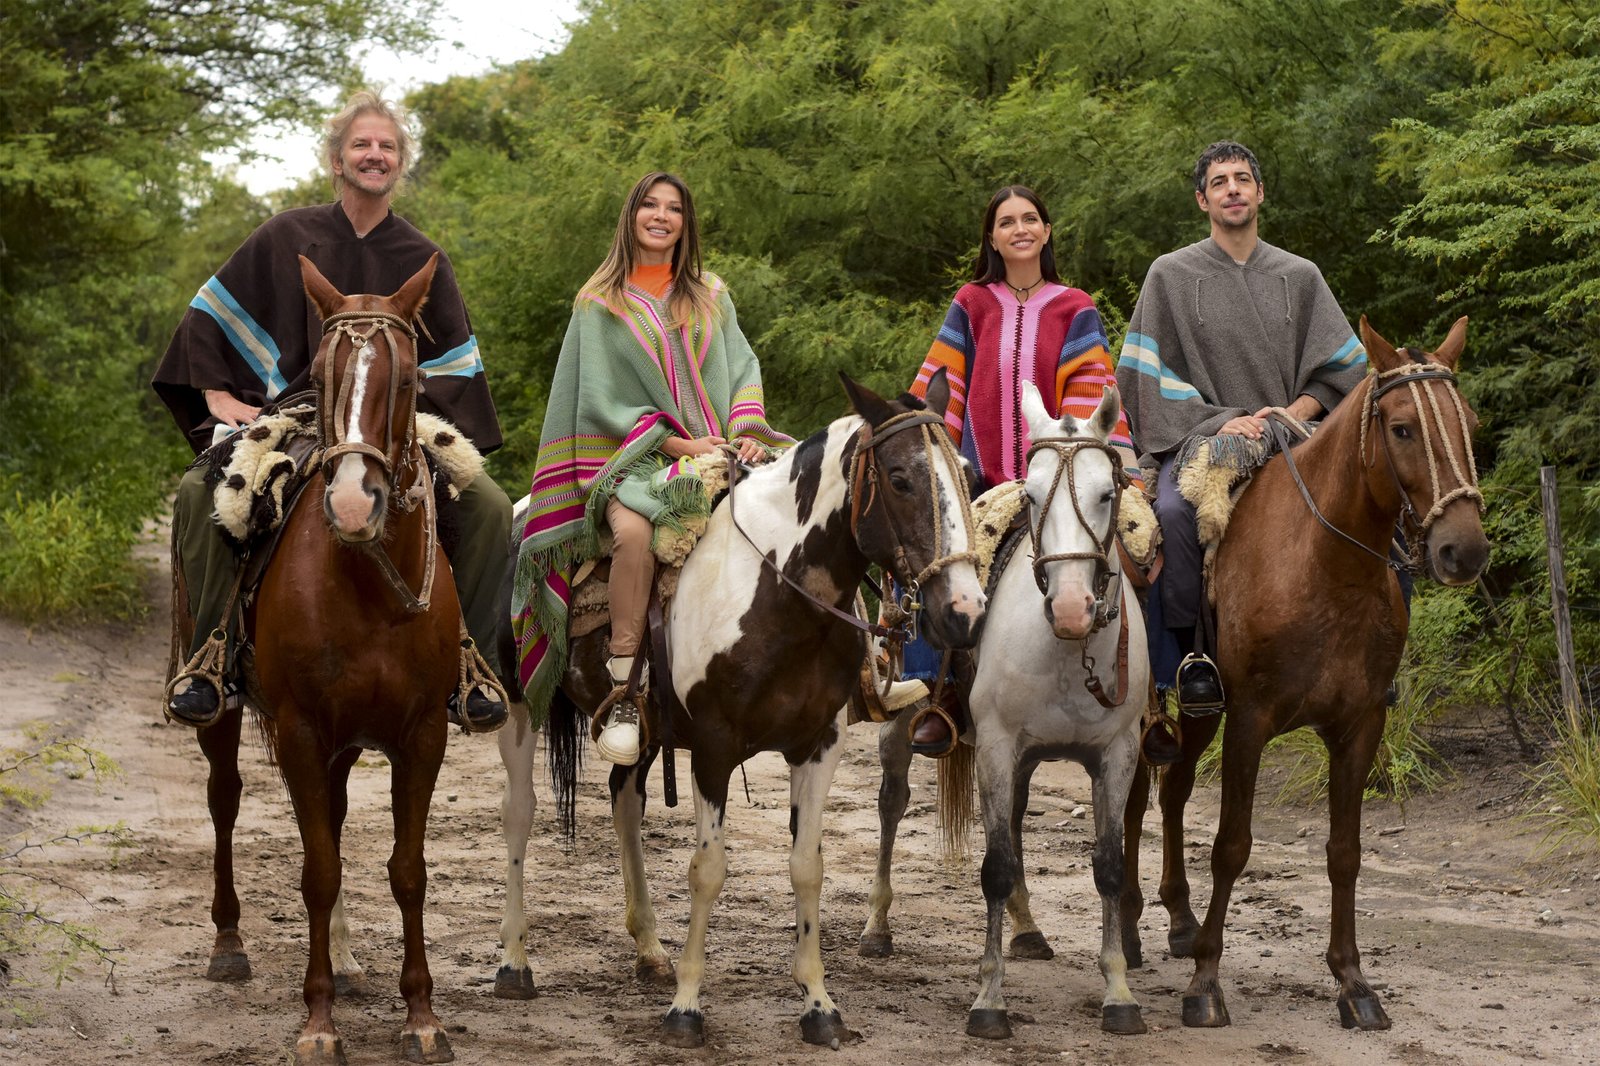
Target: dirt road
[1483,956]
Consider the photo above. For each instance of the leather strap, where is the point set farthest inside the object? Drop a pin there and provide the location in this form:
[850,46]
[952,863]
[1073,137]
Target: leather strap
[1118,694]
[664,696]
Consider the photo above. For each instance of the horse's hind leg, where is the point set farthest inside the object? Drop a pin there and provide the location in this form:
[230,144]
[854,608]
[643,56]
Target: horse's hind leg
[514,978]
[1177,783]
[894,791]
[1242,741]
[1349,765]
[1132,895]
[1002,787]
[1027,941]
[220,743]
[414,774]
[1119,1011]
[348,980]
[651,962]
[808,794]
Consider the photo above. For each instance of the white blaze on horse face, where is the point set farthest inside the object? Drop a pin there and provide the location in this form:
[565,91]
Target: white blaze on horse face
[349,503]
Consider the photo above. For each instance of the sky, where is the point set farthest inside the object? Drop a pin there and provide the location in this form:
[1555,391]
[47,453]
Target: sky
[475,35]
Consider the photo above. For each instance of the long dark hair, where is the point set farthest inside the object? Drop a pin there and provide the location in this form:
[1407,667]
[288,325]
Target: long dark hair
[691,295]
[990,267]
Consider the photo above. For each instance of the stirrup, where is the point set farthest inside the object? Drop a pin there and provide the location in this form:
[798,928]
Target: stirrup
[206,667]
[474,676]
[927,708]
[1205,696]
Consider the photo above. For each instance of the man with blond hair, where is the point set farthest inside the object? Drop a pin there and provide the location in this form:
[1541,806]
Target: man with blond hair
[250,334]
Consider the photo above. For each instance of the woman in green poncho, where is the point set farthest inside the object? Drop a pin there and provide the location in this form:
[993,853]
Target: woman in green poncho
[653,371]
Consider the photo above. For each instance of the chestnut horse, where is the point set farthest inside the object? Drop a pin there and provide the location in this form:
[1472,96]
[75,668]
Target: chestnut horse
[1310,627]
[764,659]
[355,630]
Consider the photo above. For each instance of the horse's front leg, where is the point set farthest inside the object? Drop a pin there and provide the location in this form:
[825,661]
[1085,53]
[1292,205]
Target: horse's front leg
[1242,741]
[1119,1011]
[305,773]
[651,962]
[1177,783]
[808,794]
[1027,941]
[348,980]
[415,771]
[894,792]
[684,1024]
[514,978]
[1349,764]
[220,743]
[1002,787]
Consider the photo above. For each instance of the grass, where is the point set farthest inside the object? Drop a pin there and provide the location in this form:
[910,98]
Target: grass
[1568,782]
[62,557]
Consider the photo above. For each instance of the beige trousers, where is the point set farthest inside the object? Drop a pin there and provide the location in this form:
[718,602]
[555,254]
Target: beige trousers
[633,568]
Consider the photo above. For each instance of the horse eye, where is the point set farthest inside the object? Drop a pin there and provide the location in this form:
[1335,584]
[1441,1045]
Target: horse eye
[900,482]
[1402,432]
[1108,496]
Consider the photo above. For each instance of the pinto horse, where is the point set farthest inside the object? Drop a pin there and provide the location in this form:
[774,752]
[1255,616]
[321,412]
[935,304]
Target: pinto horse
[355,631]
[1310,627]
[764,658]
[1047,686]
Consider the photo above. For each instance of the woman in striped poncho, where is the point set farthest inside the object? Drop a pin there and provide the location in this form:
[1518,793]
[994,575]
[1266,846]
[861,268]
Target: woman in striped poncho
[1014,322]
[653,371]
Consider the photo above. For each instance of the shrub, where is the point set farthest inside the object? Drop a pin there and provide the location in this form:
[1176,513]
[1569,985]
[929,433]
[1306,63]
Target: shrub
[61,556]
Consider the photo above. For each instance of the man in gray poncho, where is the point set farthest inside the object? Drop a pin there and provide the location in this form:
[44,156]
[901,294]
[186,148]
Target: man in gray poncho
[1224,330]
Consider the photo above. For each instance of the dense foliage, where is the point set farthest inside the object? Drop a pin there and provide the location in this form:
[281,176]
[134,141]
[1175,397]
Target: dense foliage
[1435,157]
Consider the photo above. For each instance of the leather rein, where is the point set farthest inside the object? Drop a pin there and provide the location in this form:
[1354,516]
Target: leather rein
[1418,377]
[361,327]
[1107,609]
[865,479]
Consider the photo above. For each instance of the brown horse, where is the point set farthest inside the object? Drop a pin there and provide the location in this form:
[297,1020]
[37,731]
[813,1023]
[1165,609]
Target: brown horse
[1310,627]
[355,631]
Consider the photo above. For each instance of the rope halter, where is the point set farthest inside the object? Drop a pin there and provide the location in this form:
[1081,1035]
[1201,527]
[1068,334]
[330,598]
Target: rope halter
[361,327]
[1067,449]
[1427,379]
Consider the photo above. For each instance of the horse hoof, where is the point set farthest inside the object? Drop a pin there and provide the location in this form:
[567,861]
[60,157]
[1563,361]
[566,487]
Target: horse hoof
[989,1024]
[683,1028]
[655,971]
[1362,1012]
[324,1049]
[1124,1019]
[430,1045]
[234,966]
[514,984]
[349,984]
[825,1029]
[1031,946]
[1205,1011]
[877,945]
[1180,943]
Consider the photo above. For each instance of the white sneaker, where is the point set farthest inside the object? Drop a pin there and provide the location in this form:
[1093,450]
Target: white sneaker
[619,740]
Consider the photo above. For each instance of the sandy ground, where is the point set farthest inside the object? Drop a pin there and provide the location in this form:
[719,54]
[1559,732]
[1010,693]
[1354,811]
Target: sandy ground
[1452,918]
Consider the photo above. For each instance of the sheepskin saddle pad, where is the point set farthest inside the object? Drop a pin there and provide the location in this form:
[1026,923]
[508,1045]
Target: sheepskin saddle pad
[259,469]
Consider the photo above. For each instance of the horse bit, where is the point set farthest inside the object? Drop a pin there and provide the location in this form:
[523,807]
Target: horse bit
[331,427]
[1106,609]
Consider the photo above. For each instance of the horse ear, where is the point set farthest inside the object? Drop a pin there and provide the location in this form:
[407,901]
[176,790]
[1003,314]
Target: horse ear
[1033,409]
[1450,351]
[866,403]
[1104,419]
[410,297]
[324,297]
[1379,351]
[938,395]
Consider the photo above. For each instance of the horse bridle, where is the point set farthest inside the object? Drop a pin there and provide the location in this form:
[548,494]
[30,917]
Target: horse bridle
[865,486]
[332,418]
[1417,376]
[1067,449]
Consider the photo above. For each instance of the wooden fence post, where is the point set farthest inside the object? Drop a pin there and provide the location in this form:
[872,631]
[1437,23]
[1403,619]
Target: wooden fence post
[1571,695]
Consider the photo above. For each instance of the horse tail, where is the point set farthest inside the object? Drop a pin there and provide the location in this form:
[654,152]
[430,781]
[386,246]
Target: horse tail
[956,776]
[564,732]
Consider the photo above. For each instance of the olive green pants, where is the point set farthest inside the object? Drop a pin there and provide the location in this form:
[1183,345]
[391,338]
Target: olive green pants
[480,560]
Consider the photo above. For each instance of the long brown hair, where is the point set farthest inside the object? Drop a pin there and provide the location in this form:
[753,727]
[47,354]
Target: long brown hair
[990,267]
[691,296]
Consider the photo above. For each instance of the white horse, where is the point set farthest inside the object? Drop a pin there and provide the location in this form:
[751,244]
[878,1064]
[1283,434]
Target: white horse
[1046,686]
